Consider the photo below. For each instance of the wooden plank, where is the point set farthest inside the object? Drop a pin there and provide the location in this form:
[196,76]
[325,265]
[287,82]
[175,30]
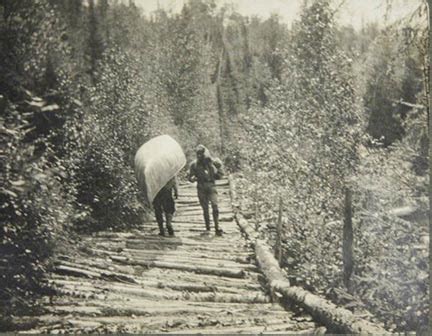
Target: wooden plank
[199,269]
[143,256]
[177,285]
[242,257]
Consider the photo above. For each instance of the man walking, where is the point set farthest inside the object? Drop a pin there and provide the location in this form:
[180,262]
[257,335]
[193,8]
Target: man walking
[204,171]
[164,203]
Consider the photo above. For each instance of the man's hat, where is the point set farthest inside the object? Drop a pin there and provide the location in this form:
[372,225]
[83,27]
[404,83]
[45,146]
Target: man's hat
[200,149]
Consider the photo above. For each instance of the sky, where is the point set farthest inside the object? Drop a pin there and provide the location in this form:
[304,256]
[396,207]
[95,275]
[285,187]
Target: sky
[353,12]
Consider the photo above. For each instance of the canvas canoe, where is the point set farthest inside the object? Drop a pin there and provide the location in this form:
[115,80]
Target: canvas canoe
[156,162]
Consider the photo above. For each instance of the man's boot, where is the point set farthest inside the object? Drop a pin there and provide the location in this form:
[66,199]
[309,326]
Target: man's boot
[169,218]
[161,228]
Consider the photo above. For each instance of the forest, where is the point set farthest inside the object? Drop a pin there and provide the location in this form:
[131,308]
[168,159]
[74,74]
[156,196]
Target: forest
[309,119]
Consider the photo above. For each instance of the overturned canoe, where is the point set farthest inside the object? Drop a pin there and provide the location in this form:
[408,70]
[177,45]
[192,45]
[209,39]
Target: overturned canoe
[156,162]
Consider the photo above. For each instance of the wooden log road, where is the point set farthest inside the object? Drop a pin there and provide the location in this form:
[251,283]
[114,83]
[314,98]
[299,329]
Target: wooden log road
[139,282]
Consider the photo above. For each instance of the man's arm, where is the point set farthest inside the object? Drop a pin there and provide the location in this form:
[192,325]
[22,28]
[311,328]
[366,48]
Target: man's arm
[175,187]
[192,175]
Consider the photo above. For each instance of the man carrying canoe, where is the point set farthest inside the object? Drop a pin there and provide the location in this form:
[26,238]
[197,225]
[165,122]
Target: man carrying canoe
[157,163]
[164,203]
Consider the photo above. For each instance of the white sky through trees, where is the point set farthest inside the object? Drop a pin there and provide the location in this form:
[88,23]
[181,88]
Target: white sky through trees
[353,12]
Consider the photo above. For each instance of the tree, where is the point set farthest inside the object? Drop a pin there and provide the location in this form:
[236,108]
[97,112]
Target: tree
[95,42]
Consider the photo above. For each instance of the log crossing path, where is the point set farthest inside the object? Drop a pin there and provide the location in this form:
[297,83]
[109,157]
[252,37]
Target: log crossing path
[139,282]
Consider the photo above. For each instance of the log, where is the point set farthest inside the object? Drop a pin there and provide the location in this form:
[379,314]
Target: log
[221,182]
[142,306]
[103,264]
[178,241]
[246,228]
[75,271]
[231,273]
[196,321]
[190,259]
[199,212]
[193,321]
[250,282]
[68,268]
[217,242]
[268,264]
[176,286]
[336,319]
[163,293]
[240,257]
[200,227]
[119,309]
[196,263]
[287,327]
[249,298]
[111,248]
[159,293]
[186,209]
[199,269]
[188,201]
[175,281]
[198,218]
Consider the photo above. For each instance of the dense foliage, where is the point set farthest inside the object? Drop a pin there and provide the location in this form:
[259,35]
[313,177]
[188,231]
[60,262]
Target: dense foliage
[300,114]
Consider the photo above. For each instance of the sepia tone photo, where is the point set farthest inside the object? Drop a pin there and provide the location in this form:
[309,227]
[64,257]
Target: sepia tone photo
[215,167]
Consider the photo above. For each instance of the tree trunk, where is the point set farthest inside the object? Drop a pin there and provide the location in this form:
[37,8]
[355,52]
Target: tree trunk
[347,241]
[222,121]
[430,147]
[279,233]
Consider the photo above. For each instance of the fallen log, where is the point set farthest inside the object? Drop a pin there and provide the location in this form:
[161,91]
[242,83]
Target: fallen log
[336,319]
[247,229]
[267,262]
